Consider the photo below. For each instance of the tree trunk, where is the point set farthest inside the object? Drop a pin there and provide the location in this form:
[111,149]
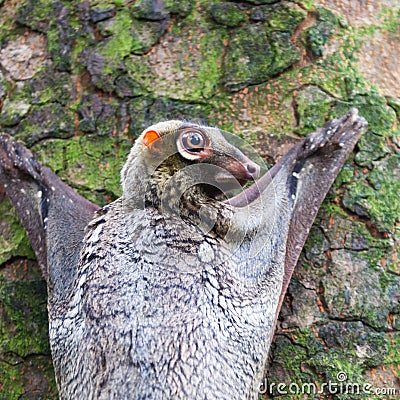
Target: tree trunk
[79,80]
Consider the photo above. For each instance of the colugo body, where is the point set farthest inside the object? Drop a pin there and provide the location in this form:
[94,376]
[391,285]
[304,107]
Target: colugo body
[172,291]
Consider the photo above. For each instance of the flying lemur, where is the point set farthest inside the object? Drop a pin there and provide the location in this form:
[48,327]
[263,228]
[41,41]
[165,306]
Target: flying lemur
[173,290]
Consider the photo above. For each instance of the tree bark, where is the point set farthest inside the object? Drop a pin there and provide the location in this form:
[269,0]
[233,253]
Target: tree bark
[79,80]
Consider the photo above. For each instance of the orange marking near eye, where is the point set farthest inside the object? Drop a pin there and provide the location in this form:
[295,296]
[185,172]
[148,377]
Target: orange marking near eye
[149,137]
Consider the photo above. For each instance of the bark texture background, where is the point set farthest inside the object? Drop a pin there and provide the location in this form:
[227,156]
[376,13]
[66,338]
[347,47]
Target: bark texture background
[80,79]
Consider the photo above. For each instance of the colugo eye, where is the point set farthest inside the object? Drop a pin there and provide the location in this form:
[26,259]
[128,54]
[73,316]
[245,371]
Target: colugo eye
[191,143]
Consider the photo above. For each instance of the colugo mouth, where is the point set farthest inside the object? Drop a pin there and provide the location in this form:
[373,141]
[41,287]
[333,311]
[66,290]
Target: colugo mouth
[227,178]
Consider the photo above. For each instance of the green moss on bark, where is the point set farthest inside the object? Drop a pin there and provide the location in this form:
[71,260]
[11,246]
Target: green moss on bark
[376,197]
[282,16]
[24,328]
[90,163]
[318,35]
[312,107]
[26,370]
[254,56]
[13,240]
[228,14]
[37,15]
[249,57]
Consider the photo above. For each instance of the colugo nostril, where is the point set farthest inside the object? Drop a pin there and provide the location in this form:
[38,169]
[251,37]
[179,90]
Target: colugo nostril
[253,170]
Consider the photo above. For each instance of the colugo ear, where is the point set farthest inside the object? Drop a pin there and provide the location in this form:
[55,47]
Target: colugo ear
[153,141]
